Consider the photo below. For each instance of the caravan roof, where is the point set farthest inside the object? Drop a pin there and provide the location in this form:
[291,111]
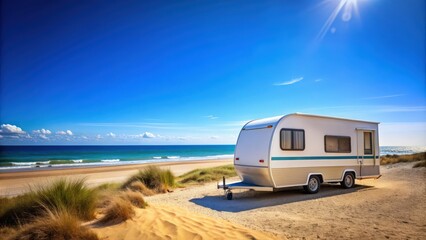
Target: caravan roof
[272,121]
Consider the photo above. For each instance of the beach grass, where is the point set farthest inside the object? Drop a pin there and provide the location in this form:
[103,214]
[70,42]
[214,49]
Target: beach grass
[72,196]
[118,211]
[154,178]
[390,159]
[55,225]
[135,198]
[420,164]
[205,175]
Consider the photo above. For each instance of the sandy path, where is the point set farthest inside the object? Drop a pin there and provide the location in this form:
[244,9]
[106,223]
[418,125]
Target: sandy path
[14,183]
[392,207]
[165,222]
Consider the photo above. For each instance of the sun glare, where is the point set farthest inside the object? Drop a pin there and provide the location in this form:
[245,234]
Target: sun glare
[345,8]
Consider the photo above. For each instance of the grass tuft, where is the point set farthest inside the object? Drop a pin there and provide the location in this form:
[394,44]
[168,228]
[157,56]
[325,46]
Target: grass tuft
[153,178]
[205,175]
[138,186]
[71,196]
[55,225]
[390,159]
[118,211]
[135,198]
[420,164]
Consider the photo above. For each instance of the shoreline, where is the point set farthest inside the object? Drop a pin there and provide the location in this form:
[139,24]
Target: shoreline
[15,183]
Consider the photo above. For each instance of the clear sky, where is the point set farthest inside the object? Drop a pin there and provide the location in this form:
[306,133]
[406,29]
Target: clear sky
[193,72]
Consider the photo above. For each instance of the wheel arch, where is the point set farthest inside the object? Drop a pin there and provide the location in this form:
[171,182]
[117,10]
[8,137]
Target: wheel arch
[320,175]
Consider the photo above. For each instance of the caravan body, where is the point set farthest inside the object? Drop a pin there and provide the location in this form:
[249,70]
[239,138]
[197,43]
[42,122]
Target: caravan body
[289,150]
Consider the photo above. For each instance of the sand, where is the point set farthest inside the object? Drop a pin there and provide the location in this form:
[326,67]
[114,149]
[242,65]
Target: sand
[15,183]
[392,207]
[165,222]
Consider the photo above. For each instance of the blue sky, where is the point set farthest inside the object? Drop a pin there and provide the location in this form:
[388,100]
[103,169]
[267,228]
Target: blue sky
[185,72]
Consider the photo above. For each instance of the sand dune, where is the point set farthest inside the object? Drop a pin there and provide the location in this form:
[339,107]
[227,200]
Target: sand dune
[165,222]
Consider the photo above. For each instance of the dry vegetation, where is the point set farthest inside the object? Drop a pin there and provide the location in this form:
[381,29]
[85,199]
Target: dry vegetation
[390,159]
[62,195]
[56,210]
[154,179]
[118,211]
[55,225]
[205,175]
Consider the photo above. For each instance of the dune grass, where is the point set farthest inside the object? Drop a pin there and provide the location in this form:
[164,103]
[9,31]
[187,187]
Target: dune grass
[71,196]
[420,164]
[390,159]
[205,175]
[135,198]
[55,225]
[118,211]
[154,178]
[138,186]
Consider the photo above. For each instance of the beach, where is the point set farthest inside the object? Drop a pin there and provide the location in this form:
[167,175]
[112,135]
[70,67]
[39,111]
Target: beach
[391,207]
[15,183]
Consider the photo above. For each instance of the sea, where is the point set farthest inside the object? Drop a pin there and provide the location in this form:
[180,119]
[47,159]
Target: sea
[31,157]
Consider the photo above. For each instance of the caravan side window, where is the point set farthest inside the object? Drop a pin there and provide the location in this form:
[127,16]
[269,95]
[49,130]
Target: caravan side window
[292,139]
[337,144]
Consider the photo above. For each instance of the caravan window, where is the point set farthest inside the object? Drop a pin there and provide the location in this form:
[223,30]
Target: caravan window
[292,139]
[337,144]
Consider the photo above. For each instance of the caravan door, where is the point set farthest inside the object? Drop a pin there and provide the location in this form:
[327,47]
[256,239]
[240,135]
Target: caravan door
[366,151]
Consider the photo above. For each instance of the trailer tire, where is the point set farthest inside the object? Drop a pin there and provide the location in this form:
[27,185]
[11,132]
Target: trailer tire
[348,180]
[229,195]
[313,186]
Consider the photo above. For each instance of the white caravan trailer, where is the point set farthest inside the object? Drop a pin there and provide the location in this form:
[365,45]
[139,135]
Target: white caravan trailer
[304,150]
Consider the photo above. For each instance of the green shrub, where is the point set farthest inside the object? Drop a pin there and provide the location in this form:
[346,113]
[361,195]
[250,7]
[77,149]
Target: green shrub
[205,175]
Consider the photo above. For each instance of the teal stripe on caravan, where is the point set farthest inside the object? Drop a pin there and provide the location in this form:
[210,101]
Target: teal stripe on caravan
[320,157]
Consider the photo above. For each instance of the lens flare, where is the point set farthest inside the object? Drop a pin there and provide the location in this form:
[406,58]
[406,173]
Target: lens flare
[346,8]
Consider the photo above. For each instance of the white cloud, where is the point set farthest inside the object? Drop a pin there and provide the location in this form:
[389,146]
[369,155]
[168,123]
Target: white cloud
[111,135]
[318,80]
[211,117]
[67,132]
[43,137]
[386,96]
[148,135]
[293,81]
[84,137]
[42,131]
[98,136]
[8,129]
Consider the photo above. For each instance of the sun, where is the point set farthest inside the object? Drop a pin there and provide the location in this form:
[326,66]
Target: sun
[345,8]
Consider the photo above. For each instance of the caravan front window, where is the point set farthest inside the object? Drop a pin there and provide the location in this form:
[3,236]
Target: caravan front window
[292,139]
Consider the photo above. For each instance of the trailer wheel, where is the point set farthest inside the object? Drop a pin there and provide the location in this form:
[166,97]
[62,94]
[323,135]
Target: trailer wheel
[348,180]
[313,185]
[229,195]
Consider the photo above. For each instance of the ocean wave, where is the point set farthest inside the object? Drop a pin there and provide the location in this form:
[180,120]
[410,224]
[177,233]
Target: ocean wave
[29,163]
[166,157]
[110,160]
[77,161]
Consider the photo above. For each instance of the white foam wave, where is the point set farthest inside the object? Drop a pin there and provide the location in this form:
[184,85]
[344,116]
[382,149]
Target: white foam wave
[29,163]
[77,161]
[110,160]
